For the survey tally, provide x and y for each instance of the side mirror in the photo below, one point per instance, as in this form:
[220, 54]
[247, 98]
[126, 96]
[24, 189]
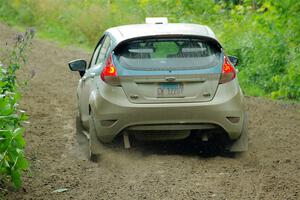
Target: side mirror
[78, 65]
[234, 60]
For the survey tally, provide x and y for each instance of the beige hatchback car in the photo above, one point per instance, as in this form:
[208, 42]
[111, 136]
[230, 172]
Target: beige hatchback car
[160, 82]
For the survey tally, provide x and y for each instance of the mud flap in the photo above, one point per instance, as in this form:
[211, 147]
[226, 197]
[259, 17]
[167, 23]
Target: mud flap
[79, 127]
[241, 144]
[95, 146]
[126, 140]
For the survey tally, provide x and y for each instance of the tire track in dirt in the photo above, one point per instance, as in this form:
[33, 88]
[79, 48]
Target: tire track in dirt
[270, 170]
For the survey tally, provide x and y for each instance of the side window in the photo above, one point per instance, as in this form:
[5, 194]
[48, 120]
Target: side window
[103, 51]
[96, 52]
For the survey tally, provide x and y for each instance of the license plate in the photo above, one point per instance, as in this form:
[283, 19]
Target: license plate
[170, 90]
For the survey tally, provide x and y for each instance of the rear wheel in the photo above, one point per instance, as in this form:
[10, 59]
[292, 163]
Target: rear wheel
[212, 147]
[95, 146]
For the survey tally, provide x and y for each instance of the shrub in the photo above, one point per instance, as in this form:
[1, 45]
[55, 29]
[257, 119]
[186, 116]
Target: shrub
[264, 34]
[12, 160]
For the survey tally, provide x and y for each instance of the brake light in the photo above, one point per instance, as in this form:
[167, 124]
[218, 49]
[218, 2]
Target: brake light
[228, 71]
[109, 73]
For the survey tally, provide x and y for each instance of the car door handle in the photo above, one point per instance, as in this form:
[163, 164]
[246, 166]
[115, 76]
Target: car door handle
[91, 75]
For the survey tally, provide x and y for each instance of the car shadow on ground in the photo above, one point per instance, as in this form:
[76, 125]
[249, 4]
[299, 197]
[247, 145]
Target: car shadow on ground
[187, 147]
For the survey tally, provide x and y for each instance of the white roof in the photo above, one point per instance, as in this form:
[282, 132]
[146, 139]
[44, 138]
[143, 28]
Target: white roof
[126, 32]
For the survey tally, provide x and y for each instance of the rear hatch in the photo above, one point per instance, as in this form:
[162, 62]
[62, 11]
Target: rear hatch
[161, 70]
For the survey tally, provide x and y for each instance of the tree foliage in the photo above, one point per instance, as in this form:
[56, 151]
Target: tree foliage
[264, 34]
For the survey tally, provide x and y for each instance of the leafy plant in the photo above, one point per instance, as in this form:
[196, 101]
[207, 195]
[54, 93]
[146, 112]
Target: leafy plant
[12, 160]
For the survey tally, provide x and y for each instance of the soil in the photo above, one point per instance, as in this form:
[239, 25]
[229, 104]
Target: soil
[58, 156]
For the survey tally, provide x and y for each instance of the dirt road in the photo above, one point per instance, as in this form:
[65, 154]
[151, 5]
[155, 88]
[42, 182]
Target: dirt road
[58, 157]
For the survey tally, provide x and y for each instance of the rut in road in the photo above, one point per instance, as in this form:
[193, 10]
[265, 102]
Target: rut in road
[58, 156]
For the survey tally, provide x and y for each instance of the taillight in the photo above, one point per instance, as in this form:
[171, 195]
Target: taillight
[228, 71]
[109, 73]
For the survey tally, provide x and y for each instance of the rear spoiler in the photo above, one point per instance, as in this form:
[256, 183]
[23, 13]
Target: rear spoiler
[214, 41]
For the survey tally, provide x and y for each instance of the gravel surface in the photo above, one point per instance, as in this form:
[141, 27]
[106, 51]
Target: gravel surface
[58, 156]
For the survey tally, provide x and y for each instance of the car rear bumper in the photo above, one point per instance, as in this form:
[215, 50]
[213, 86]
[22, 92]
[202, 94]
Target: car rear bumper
[114, 113]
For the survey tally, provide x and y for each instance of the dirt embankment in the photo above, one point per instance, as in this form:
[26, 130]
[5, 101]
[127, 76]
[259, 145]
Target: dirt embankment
[270, 170]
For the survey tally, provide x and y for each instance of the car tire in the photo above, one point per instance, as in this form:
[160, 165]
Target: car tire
[95, 146]
[211, 148]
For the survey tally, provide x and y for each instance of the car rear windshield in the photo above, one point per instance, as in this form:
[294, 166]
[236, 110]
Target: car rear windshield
[168, 54]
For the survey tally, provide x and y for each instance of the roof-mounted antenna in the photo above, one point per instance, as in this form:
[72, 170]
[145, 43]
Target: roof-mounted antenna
[156, 20]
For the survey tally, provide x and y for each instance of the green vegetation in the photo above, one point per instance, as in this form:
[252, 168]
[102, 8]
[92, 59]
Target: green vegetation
[12, 161]
[264, 34]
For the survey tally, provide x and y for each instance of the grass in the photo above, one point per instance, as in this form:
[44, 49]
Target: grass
[264, 38]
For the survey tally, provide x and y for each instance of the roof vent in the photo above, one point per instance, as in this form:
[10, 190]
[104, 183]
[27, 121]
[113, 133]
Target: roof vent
[156, 20]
